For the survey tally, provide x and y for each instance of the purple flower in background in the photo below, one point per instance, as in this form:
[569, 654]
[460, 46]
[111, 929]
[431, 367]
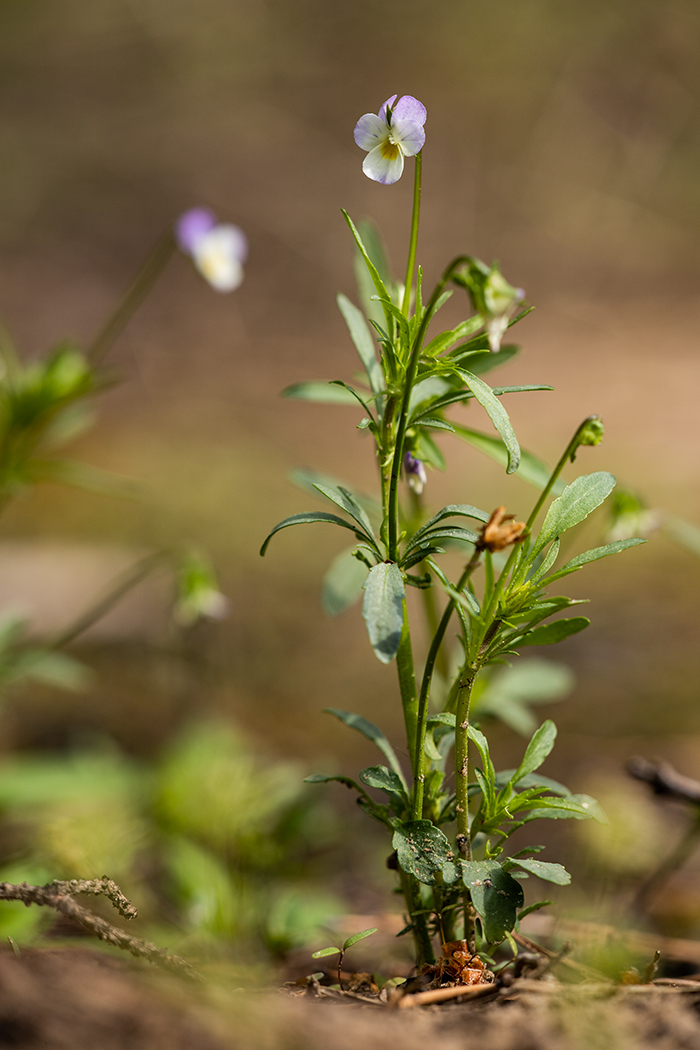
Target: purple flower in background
[217, 249]
[389, 136]
[415, 473]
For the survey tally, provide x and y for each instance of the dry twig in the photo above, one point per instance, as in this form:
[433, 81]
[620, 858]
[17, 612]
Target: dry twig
[61, 896]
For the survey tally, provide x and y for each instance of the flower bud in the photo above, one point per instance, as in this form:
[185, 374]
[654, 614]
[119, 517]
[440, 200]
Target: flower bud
[415, 473]
[493, 297]
[592, 432]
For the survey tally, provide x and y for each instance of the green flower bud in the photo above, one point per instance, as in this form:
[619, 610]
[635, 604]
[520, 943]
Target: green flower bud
[592, 432]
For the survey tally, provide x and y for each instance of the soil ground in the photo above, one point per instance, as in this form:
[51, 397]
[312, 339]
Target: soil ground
[81, 1000]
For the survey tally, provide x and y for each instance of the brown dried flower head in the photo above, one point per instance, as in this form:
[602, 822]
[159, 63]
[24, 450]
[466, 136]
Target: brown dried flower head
[500, 531]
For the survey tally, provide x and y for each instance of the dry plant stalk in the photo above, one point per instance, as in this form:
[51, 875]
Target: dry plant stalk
[61, 896]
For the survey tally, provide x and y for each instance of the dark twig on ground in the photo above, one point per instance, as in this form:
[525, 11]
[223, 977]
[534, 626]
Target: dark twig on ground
[61, 896]
[664, 780]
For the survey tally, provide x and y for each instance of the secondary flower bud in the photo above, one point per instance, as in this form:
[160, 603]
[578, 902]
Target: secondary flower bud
[592, 433]
[415, 473]
[492, 297]
[500, 531]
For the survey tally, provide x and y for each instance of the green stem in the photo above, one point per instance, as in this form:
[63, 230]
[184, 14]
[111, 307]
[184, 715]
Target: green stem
[124, 584]
[133, 297]
[407, 685]
[413, 242]
[567, 454]
[421, 934]
[411, 370]
[422, 720]
[464, 842]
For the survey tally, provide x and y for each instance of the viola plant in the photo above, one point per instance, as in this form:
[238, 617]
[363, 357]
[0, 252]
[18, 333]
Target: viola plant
[451, 815]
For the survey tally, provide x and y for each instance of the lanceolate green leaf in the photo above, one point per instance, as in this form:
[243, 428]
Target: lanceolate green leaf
[363, 340]
[383, 779]
[495, 894]
[537, 750]
[370, 732]
[424, 851]
[454, 510]
[550, 633]
[378, 283]
[343, 582]
[593, 555]
[320, 390]
[310, 518]
[383, 609]
[347, 502]
[359, 937]
[497, 414]
[576, 502]
[556, 873]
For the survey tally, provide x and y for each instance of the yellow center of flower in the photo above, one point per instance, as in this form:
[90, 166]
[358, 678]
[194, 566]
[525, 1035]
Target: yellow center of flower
[390, 149]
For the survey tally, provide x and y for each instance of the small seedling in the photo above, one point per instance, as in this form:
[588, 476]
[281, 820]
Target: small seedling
[340, 952]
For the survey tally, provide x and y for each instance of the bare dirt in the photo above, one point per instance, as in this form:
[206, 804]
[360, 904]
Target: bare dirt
[82, 1000]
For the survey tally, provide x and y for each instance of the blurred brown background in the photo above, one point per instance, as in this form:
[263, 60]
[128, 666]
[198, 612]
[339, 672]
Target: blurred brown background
[562, 139]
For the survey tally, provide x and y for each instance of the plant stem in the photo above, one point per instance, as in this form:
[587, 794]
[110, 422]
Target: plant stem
[464, 842]
[407, 685]
[419, 762]
[124, 584]
[568, 452]
[137, 291]
[413, 242]
[414, 906]
[409, 380]
[340, 968]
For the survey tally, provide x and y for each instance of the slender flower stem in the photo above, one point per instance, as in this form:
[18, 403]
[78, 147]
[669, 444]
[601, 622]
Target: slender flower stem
[133, 297]
[567, 454]
[415, 220]
[419, 750]
[126, 582]
[410, 378]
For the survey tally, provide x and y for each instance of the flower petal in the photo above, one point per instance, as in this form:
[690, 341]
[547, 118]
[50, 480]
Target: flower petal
[384, 163]
[219, 254]
[409, 135]
[191, 226]
[389, 102]
[409, 108]
[370, 131]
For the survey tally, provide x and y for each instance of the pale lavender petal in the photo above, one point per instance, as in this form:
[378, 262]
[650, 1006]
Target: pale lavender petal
[409, 108]
[389, 102]
[409, 135]
[235, 239]
[218, 255]
[192, 225]
[370, 131]
[384, 163]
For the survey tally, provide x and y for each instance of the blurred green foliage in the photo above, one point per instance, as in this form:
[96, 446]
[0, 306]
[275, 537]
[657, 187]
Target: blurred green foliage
[212, 843]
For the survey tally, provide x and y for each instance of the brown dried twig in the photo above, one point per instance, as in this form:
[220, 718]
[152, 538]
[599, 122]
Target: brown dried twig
[61, 896]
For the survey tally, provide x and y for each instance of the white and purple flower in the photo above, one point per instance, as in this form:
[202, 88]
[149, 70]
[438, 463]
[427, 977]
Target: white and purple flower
[217, 249]
[415, 473]
[389, 136]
